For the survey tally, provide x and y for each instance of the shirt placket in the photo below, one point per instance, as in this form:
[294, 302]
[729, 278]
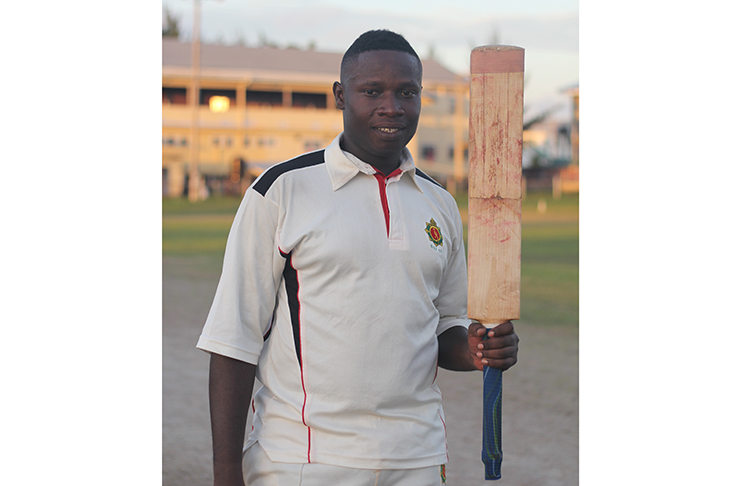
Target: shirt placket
[383, 181]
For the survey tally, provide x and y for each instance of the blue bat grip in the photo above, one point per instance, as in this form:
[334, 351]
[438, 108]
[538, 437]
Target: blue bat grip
[491, 451]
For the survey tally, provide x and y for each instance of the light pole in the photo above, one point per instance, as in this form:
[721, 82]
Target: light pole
[194, 182]
[195, 63]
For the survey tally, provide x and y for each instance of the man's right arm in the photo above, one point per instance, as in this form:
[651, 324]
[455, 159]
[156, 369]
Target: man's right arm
[230, 393]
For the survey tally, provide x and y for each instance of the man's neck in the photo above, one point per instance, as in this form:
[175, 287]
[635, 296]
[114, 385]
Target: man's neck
[386, 169]
[384, 166]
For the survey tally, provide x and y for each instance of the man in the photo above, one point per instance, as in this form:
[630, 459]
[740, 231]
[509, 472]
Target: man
[343, 290]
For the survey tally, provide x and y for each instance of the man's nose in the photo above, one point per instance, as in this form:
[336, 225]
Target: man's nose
[390, 105]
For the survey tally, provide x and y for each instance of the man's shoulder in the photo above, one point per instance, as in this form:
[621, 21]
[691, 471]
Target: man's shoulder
[268, 178]
[419, 173]
[435, 190]
[431, 186]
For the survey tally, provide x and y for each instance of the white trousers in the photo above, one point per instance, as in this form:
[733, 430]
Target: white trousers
[259, 470]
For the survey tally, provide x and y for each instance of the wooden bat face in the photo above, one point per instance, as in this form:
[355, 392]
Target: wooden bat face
[495, 184]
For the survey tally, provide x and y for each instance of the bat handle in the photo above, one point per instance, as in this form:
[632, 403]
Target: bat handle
[491, 450]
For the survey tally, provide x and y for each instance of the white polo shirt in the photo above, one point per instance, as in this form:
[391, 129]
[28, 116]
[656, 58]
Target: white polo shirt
[336, 283]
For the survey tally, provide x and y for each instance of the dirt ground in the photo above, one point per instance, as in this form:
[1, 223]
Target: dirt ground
[540, 398]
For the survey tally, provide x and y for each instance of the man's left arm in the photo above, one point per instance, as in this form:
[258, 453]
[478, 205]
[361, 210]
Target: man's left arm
[461, 349]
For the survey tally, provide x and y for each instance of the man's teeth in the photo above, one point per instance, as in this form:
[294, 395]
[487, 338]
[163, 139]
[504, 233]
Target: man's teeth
[388, 130]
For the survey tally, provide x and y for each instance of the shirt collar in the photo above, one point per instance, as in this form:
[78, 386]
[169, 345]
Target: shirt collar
[343, 166]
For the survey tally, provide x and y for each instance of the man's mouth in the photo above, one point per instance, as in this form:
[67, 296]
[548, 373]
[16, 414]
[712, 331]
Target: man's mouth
[387, 130]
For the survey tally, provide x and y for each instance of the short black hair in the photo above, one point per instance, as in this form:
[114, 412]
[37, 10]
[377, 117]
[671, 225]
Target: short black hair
[377, 40]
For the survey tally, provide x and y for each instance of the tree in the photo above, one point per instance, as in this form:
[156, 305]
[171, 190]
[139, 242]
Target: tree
[494, 38]
[170, 25]
[431, 52]
[239, 38]
[263, 41]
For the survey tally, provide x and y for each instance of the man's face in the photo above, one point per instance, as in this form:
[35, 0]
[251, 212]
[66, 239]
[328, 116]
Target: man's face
[380, 96]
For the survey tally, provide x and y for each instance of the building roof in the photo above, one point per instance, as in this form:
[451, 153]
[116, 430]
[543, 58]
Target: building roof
[236, 61]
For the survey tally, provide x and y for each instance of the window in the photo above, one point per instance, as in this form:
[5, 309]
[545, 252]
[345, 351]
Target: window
[264, 98]
[174, 96]
[309, 100]
[206, 95]
[428, 152]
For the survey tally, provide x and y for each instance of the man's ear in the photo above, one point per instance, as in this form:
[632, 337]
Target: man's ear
[339, 96]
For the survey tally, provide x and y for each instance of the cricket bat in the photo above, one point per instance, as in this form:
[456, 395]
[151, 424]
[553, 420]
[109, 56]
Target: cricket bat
[495, 213]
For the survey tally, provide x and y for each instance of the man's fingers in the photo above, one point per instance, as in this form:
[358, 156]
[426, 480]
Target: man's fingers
[499, 353]
[476, 329]
[507, 341]
[502, 364]
[503, 329]
[494, 348]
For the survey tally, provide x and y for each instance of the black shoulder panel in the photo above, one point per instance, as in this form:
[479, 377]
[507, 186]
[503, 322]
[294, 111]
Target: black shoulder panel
[272, 174]
[426, 177]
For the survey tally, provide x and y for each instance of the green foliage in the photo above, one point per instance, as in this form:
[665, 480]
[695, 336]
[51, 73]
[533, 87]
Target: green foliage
[263, 41]
[170, 27]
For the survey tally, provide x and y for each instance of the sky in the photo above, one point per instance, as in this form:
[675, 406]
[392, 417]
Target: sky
[548, 30]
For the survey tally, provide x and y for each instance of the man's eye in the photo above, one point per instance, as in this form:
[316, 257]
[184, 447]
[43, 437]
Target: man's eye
[408, 93]
[371, 92]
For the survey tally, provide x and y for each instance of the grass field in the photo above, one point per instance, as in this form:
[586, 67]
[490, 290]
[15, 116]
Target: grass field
[550, 248]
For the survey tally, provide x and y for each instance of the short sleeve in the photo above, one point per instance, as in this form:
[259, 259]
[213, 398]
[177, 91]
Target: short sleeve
[451, 301]
[242, 309]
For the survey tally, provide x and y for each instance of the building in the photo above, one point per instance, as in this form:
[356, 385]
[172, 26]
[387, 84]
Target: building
[258, 106]
[550, 155]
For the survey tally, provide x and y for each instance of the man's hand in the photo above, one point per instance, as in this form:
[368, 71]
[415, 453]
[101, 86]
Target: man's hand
[496, 348]
[461, 350]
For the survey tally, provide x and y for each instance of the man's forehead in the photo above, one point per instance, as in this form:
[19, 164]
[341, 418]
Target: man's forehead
[366, 66]
[386, 53]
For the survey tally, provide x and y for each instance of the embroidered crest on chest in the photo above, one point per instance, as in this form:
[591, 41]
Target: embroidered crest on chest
[433, 232]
